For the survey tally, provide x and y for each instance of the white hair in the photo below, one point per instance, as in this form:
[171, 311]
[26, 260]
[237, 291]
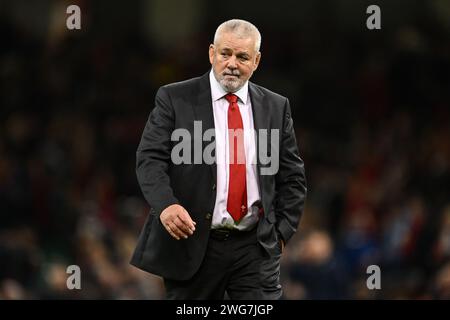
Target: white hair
[242, 29]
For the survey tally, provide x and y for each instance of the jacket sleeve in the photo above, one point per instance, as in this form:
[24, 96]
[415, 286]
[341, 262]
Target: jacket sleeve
[153, 154]
[290, 181]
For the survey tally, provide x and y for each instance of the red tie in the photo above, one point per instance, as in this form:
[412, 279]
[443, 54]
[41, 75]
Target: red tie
[237, 188]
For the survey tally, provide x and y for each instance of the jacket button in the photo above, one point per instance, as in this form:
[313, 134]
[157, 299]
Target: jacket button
[208, 216]
[214, 187]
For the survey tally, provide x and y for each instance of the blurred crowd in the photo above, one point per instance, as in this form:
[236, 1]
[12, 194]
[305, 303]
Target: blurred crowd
[372, 117]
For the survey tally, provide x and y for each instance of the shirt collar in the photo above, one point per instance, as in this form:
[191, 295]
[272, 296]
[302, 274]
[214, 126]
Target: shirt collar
[217, 91]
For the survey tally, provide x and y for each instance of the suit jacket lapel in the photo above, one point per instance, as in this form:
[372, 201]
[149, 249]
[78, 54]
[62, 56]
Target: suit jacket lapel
[260, 121]
[260, 118]
[203, 111]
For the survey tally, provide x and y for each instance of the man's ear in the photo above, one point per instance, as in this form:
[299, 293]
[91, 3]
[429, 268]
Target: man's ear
[211, 53]
[257, 59]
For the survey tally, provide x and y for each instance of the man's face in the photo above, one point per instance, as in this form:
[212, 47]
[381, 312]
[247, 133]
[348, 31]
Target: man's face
[233, 60]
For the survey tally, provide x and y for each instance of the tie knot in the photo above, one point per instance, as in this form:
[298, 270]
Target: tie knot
[232, 98]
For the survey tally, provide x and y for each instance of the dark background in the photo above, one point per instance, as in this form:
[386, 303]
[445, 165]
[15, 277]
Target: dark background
[371, 109]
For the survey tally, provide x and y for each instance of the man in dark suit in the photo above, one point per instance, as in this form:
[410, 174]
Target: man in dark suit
[219, 227]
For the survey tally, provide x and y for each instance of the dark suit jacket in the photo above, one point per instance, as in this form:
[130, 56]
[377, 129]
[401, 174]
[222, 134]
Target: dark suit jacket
[193, 186]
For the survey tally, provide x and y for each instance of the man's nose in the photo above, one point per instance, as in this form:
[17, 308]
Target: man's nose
[232, 63]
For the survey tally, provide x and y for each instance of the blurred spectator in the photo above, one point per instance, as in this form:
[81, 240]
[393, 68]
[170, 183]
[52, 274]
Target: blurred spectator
[315, 271]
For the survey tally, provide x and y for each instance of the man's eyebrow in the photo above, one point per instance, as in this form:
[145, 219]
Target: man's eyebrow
[241, 53]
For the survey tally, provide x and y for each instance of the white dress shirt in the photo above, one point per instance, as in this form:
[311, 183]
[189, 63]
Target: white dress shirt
[221, 217]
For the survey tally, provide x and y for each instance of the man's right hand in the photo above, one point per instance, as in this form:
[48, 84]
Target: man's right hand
[177, 221]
